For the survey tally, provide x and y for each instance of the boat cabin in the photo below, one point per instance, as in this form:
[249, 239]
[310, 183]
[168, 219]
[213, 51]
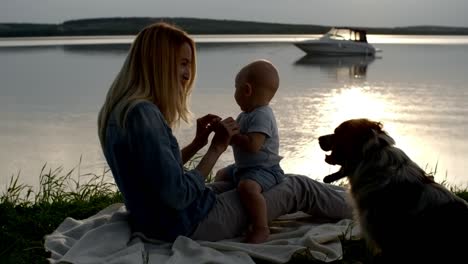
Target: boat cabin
[357, 35]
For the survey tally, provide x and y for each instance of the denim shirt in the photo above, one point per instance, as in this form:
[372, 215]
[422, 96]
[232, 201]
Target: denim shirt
[163, 199]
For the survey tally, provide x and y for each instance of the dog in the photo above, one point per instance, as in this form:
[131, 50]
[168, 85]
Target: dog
[404, 215]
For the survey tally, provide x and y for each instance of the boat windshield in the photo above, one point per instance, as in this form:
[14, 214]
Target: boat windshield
[346, 34]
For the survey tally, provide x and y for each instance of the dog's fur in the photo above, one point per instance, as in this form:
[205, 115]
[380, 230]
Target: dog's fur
[404, 215]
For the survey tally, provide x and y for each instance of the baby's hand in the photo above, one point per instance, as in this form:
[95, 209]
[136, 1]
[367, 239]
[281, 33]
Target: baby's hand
[224, 131]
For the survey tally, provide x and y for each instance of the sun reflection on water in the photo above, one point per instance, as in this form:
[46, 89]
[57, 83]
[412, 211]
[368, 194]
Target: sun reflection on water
[375, 103]
[354, 102]
[337, 106]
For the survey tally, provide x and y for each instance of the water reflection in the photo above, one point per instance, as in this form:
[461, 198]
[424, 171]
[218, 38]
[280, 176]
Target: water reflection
[333, 107]
[418, 92]
[353, 67]
[121, 48]
[106, 49]
[112, 49]
[27, 49]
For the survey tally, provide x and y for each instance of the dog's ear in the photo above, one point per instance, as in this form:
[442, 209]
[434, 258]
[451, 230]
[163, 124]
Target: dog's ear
[378, 140]
[385, 139]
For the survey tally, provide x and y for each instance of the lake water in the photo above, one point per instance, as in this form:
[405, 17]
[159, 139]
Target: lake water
[52, 88]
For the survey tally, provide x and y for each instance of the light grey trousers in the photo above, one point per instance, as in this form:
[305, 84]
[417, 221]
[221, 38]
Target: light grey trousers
[229, 219]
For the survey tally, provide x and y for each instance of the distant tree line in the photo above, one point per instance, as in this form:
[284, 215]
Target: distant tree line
[132, 25]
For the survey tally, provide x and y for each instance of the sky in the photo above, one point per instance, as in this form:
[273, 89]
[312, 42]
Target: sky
[365, 13]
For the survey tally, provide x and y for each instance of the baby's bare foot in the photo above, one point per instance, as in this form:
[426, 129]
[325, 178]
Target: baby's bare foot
[258, 235]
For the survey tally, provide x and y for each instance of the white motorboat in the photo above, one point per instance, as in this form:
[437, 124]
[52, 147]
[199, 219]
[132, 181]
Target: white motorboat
[338, 41]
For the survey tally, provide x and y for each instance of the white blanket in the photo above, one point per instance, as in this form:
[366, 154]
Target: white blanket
[106, 238]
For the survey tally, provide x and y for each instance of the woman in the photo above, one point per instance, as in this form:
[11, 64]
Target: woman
[147, 98]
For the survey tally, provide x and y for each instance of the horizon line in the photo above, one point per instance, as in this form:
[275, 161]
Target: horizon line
[236, 20]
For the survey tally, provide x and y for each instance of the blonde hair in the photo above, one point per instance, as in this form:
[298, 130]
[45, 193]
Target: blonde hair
[149, 73]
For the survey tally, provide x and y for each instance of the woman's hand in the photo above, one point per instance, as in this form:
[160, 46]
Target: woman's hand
[224, 131]
[205, 125]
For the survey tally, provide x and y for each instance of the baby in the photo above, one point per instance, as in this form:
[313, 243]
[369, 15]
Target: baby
[256, 147]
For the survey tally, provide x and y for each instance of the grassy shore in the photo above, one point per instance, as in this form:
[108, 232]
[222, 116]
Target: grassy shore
[27, 215]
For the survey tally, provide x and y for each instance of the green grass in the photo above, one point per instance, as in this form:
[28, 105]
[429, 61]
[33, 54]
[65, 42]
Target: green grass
[27, 214]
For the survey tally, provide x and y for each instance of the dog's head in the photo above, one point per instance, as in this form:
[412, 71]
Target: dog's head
[350, 142]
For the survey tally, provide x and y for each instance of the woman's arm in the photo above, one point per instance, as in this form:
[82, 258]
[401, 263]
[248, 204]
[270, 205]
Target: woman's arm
[155, 159]
[205, 126]
[154, 151]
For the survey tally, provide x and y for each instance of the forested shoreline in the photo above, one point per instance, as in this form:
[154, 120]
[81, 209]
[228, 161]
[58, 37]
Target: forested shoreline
[132, 25]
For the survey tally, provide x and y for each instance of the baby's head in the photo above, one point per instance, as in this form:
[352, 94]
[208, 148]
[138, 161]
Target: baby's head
[256, 84]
